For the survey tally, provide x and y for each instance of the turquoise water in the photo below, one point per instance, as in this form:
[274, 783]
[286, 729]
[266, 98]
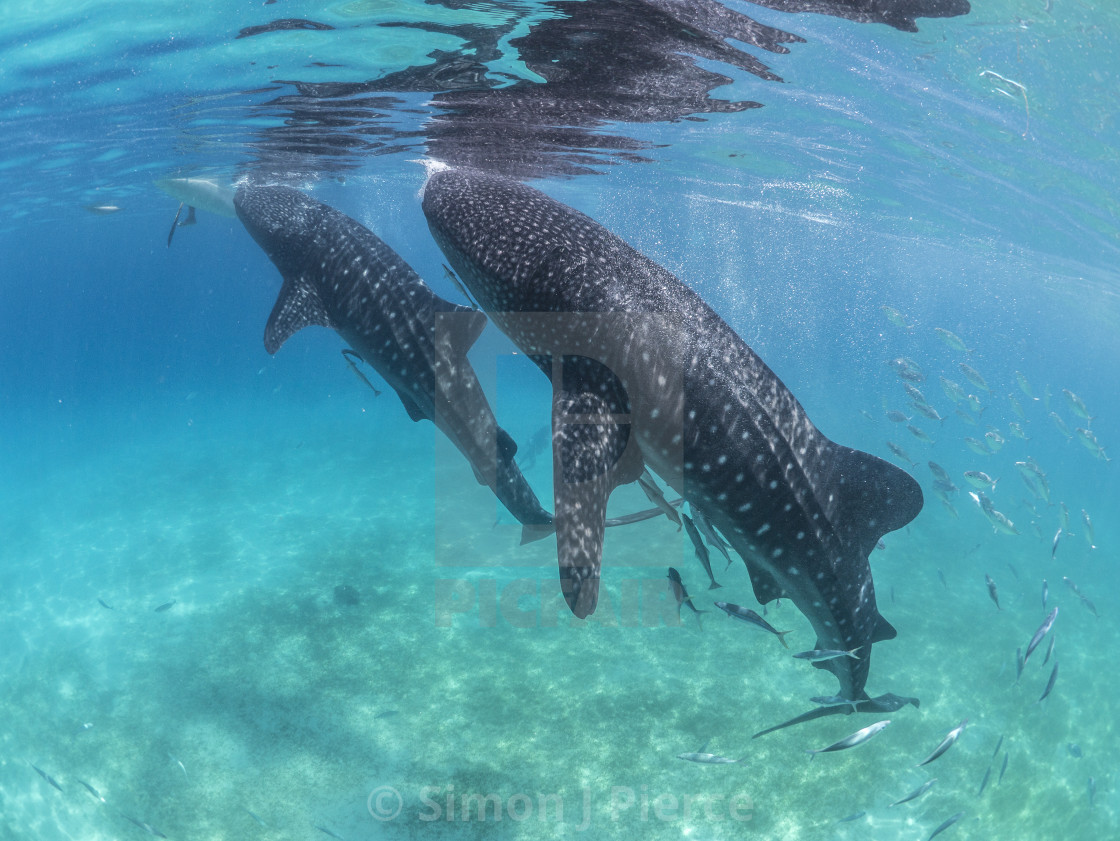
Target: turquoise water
[152, 451]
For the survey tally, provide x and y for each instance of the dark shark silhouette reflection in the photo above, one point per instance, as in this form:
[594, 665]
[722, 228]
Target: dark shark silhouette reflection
[590, 68]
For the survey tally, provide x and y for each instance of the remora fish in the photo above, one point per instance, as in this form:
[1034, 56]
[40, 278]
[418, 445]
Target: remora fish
[680, 594]
[916, 793]
[946, 743]
[1043, 629]
[697, 406]
[653, 493]
[701, 550]
[745, 614]
[165, 606]
[337, 274]
[856, 739]
[710, 534]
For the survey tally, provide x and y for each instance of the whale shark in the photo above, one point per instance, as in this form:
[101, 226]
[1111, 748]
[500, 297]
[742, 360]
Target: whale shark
[645, 374]
[339, 274]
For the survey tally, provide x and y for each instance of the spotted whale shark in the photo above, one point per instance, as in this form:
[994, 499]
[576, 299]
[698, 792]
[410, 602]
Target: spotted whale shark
[645, 373]
[339, 274]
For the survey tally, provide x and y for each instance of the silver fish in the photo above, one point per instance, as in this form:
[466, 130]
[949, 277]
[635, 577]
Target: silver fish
[1049, 649]
[974, 377]
[992, 591]
[953, 391]
[819, 654]
[896, 318]
[946, 743]
[1061, 425]
[919, 434]
[951, 339]
[707, 759]
[1045, 593]
[939, 472]
[854, 740]
[1054, 545]
[46, 776]
[745, 614]
[1077, 405]
[1042, 631]
[944, 826]
[984, 782]
[96, 794]
[901, 453]
[1049, 683]
[1092, 787]
[999, 744]
[897, 417]
[147, 827]
[1024, 385]
[916, 793]
[980, 480]
[914, 393]
[1091, 443]
[1016, 406]
[977, 446]
[326, 831]
[923, 408]
[165, 606]
[1018, 431]
[1089, 536]
[1003, 768]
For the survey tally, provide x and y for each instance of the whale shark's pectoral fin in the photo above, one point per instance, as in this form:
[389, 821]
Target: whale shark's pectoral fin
[297, 306]
[592, 456]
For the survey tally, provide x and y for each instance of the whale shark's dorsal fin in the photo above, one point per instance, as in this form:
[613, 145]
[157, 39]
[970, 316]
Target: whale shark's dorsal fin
[297, 306]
